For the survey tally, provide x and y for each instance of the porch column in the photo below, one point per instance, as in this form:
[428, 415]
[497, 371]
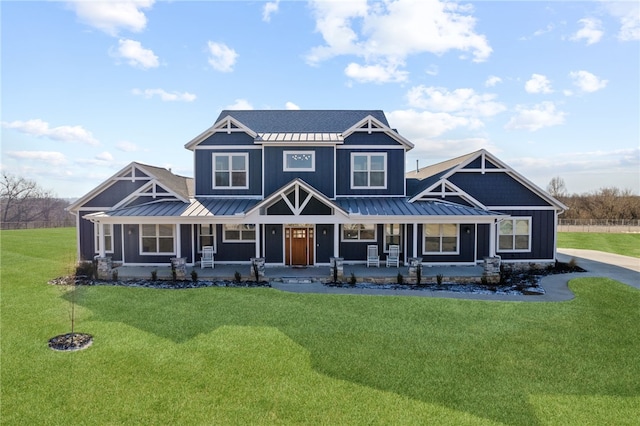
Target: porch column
[178, 241]
[336, 240]
[492, 239]
[257, 240]
[415, 240]
[101, 238]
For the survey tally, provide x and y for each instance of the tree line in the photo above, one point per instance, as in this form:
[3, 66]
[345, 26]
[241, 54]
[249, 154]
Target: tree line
[604, 203]
[23, 201]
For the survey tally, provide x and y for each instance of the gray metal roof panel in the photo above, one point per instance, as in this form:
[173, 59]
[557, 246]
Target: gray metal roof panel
[401, 207]
[197, 208]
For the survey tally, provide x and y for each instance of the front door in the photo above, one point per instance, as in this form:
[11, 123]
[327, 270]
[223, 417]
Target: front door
[299, 246]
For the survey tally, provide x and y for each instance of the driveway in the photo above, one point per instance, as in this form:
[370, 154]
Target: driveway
[625, 269]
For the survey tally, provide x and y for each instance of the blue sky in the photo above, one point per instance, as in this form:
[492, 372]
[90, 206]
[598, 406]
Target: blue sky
[550, 88]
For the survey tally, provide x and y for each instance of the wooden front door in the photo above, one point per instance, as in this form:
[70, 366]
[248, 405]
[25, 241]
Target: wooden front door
[299, 246]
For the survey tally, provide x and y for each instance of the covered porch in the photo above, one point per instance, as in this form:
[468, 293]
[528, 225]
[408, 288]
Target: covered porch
[457, 273]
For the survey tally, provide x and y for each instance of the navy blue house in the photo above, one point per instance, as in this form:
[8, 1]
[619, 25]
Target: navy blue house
[301, 187]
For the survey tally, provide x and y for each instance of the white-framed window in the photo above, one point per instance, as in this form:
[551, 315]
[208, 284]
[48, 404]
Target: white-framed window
[392, 236]
[358, 232]
[231, 170]
[441, 238]
[299, 161]
[239, 233]
[108, 237]
[157, 239]
[514, 234]
[368, 170]
[206, 236]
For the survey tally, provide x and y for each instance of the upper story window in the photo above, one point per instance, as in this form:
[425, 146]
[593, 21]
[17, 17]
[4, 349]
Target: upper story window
[231, 170]
[299, 161]
[157, 239]
[440, 238]
[368, 170]
[514, 234]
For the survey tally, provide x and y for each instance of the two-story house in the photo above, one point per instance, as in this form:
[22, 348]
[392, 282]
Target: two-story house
[300, 187]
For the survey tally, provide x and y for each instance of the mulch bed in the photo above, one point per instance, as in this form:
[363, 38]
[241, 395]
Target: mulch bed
[71, 342]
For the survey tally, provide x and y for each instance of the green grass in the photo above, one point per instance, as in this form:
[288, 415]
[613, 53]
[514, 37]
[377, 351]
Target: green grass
[260, 356]
[625, 244]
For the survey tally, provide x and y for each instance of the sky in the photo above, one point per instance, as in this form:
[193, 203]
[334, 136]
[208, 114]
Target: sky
[550, 88]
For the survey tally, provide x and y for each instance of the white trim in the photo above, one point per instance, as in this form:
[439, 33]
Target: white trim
[98, 237]
[230, 171]
[240, 230]
[227, 147]
[370, 124]
[522, 208]
[197, 234]
[368, 147]
[223, 125]
[443, 184]
[157, 237]
[358, 240]
[285, 168]
[368, 155]
[440, 236]
[513, 219]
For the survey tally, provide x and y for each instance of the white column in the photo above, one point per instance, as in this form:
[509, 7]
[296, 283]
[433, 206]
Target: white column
[336, 240]
[101, 252]
[415, 240]
[178, 240]
[492, 239]
[257, 240]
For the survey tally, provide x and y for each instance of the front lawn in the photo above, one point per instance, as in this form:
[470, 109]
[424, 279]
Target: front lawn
[261, 356]
[625, 244]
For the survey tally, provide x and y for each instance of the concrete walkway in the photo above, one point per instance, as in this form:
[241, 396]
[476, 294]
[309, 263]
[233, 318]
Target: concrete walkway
[597, 264]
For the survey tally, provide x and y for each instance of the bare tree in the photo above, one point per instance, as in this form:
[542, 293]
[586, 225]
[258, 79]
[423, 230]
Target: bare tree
[23, 200]
[557, 188]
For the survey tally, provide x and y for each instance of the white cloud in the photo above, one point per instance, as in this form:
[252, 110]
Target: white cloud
[221, 57]
[111, 16]
[538, 84]
[52, 158]
[591, 31]
[628, 13]
[463, 101]
[136, 55]
[424, 125]
[104, 156]
[240, 104]
[291, 106]
[40, 128]
[164, 95]
[532, 119]
[587, 82]
[492, 80]
[387, 33]
[269, 9]
[127, 146]
[375, 73]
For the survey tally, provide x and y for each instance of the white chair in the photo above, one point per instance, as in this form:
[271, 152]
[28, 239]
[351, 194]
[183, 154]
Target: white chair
[393, 258]
[372, 256]
[207, 257]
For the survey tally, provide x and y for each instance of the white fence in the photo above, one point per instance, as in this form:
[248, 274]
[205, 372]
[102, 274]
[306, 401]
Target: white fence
[614, 226]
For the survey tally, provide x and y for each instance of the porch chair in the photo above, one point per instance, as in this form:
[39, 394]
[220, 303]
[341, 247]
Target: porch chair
[372, 256]
[393, 258]
[207, 257]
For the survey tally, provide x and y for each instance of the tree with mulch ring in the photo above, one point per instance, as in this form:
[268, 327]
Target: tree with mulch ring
[71, 341]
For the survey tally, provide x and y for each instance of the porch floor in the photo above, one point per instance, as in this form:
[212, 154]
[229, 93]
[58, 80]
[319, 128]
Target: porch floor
[303, 274]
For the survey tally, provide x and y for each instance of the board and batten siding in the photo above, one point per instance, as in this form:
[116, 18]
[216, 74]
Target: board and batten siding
[542, 235]
[115, 193]
[395, 173]
[496, 189]
[204, 172]
[321, 179]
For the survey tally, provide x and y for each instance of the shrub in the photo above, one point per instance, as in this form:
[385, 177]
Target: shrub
[399, 278]
[439, 279]
[418, 274]
[114, 275]
[85, 268]
[154, 275]
[573, 263]
[194, 276]
[237, 277]
[352, 279]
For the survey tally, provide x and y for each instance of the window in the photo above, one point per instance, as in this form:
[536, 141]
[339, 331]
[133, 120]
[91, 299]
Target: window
[440, 238]
[299, 161]
[392, 236]
[358, 232]
[206, 236]
[157, 239]
[108, 238]
[514, 235]
[239, 233]
[368, 170]
[230, 170]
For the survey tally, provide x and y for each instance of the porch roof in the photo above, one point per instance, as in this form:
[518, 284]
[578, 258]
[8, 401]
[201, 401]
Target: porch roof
[201, 207]
[402, 207]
